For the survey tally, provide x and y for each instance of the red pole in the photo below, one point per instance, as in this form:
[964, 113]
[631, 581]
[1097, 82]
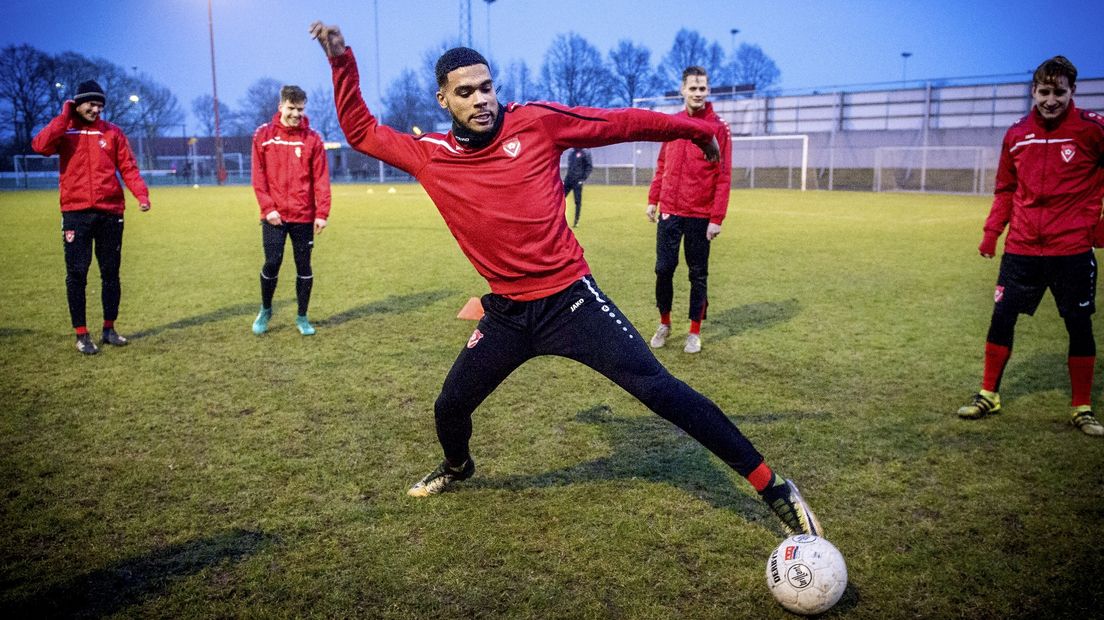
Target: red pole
[220, 169]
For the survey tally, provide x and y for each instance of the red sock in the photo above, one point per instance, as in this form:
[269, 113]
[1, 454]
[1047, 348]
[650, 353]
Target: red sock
[1081, 379]
[82, 330]
[996, 358]
[109, 324]
[761, 477]
[665, 318]
[695, 327]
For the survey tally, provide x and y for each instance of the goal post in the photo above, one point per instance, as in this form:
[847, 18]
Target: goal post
[945, 169]
[774, 153]
[774, 161]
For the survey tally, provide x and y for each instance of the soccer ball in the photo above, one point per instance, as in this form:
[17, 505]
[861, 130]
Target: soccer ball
[806, 574]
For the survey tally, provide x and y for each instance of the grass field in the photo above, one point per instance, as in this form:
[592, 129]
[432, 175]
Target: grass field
[203, 471]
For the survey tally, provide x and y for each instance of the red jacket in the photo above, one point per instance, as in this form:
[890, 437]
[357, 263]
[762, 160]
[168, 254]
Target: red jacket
[290, 174]
[504, 203]
[1050, 183]
[685, 183]
[89, 154]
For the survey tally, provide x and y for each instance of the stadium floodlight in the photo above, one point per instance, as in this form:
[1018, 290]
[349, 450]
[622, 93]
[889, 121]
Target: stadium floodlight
[220, 167]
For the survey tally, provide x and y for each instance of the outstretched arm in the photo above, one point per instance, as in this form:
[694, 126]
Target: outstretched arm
[362, 130]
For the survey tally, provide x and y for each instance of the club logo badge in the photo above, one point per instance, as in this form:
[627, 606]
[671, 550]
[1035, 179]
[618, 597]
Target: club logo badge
[475, 338]
[998, 294]
[70, 235]
[1067, 153]
[298, 152]
[103, 143]
[513, 147]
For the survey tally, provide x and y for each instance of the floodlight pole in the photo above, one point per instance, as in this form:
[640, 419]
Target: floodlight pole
[904, 66]
[488, 50]
[220, 169]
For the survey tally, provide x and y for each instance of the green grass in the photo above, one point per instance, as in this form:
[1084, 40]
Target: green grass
[203, 471]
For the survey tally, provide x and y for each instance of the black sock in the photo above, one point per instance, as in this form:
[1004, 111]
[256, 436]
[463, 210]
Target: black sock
[268, 289]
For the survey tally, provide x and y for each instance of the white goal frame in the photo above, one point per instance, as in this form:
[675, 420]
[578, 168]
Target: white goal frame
[982, 156]
[804, 138]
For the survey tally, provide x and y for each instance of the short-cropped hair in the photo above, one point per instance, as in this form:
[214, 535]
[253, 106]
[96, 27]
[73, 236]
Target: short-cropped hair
[293, 94]
[1054, 68]
[694, 70]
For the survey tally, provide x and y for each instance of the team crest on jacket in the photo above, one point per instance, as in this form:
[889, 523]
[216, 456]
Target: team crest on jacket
[103, 143]
[475, 338]
[70, 235]
[513, 147]
[1067, 153]
[298, 152]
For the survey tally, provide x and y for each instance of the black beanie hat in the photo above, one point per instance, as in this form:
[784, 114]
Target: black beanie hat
[454, 59]
[89, 91]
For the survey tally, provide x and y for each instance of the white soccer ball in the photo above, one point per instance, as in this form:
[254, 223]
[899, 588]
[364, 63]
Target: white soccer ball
[806, 574]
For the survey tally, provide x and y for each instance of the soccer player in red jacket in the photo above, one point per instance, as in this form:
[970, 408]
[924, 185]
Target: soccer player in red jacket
[91, 151]
[1050, 184]
[292, 182]
[690, 196]
[495, 180]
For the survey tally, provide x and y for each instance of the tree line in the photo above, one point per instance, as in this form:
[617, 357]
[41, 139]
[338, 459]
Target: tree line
[35, 84]
[576, 73]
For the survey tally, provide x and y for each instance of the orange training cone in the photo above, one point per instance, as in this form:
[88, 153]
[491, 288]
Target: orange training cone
[472, 311]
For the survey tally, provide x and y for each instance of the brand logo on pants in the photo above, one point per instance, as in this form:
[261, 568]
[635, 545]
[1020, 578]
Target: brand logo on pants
[998, 294]
[70, 235]
[475, 338]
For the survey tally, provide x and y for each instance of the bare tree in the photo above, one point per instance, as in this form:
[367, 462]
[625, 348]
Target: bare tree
[753, 66]
[26, 101]
[203, 108]
[574, 73]
[68, 70]
[632, 72]
[257, 106]
[690, 48]
[518, 84]
[323, 114]
[405, 104]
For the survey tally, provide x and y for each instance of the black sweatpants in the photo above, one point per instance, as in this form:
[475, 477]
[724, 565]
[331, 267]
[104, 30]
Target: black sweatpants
[274, 239]
[83, 232]
[583, 324]
[576, 188]
[690, 232]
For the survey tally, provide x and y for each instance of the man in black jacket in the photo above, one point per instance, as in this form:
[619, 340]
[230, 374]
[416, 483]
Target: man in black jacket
[578, 169]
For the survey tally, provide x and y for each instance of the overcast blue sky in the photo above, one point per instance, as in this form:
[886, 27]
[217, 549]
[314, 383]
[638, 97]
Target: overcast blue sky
[814, 43]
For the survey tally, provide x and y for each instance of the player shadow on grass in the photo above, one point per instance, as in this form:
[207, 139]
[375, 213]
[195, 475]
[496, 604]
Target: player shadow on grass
[748, 317]
[644, 448]
[1039, 372]
[395, 304]
[129, 582]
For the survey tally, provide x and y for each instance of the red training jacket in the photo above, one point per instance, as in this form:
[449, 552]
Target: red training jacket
[290, 173]
[504, 203]
[89, 154]
[1050, 183]
[685, 183]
